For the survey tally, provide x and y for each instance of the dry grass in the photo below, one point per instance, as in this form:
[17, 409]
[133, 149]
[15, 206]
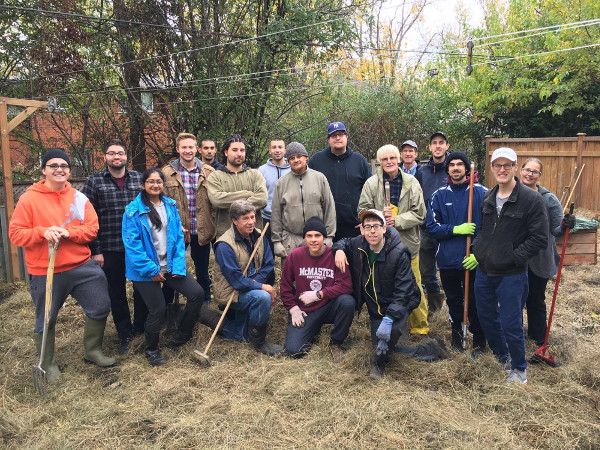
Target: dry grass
[252, 401]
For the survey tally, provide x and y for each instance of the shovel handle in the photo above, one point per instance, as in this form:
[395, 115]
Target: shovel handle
[52, 249]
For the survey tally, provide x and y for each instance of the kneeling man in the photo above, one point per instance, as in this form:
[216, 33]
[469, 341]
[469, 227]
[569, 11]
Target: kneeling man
[253, 297]
[315, 292]
[383, 279]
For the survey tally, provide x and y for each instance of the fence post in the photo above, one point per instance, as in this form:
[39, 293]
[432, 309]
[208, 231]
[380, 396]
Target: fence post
[580, 147]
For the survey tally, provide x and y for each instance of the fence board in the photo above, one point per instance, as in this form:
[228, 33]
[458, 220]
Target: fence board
[559, 157]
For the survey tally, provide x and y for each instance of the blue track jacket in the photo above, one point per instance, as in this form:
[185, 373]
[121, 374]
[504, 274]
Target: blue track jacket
[447, 208]
[141, 260]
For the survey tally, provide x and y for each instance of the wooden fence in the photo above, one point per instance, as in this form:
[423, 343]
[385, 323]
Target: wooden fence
[560, 157]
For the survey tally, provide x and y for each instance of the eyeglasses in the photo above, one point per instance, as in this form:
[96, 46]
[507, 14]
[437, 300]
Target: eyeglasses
[58, 166]
[531, 172]
[337, 135]
[157, 182]
[502, 166]
[372, 227]
[111, 154]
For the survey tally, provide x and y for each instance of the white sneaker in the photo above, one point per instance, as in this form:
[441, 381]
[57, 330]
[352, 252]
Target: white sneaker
[516, 375]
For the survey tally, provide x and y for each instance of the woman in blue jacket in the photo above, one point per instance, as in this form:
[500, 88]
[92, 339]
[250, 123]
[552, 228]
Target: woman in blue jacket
[155, 254]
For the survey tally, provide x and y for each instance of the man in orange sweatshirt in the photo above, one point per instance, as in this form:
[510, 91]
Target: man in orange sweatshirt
[51, 211]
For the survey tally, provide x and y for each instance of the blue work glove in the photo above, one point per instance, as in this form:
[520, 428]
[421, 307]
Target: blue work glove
[465, 228]
[382, 347]
[470, 262]
[385, 329]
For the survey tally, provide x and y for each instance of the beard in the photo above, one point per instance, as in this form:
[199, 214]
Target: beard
[117, 166]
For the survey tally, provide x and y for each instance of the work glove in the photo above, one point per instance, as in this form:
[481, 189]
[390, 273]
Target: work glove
[465, 228]
[385, 329]
[328, 242]
[279, 250]
[297, 317]
[470, 262]
[568, 222]
[382, 347]
[308, 297]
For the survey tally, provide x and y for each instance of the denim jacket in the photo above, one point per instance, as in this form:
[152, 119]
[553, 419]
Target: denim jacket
[141, 260]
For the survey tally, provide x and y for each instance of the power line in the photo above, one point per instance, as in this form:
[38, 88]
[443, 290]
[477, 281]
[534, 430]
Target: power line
[560, 50]
[106, 19]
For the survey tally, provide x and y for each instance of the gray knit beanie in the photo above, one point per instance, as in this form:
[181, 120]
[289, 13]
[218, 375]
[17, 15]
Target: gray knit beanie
[295, 148]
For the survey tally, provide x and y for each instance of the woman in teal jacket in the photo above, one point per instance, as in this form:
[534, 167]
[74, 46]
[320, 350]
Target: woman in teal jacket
[155, 254]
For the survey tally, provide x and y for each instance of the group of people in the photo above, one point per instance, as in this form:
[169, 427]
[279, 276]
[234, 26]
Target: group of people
[345, 237]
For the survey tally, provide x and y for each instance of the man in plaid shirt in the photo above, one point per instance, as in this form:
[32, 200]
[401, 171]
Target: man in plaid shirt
[110, 191]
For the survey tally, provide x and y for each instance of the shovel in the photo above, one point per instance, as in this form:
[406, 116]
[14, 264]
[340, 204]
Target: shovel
[40, 380]
[203, 356]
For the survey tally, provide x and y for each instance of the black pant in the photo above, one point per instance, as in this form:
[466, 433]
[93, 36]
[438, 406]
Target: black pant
[201, 256]
[453, 282]
[114, 269]
[155, 300]
[397, 327]
[536, 308]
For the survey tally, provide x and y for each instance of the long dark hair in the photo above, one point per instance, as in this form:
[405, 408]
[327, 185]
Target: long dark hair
[153, 214]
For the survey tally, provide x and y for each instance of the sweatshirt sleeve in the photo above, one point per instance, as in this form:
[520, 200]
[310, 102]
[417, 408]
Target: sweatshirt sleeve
[287, 292]
[21, 230]
[219, 196]
[276, 207]
[260, 195]
[89, 190]
[342, 285]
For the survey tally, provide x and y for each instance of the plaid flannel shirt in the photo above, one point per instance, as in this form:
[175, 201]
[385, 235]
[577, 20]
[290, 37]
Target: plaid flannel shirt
[189, 178]
[110, 201]
[395, 187]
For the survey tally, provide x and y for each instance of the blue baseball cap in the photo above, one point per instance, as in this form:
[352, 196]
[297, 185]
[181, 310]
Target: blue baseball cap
[335, 126]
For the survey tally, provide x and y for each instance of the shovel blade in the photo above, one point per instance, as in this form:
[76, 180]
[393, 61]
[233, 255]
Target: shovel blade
[40, 380]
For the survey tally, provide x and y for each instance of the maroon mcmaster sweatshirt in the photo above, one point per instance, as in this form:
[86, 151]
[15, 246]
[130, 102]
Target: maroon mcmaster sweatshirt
[302, 272]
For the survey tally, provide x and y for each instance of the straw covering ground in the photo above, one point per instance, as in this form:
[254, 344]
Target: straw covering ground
[246, 400]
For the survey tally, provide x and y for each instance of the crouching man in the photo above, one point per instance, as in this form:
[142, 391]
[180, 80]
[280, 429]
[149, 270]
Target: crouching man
[315, 292]
[253, 297]
[52, 212]
[383, 279]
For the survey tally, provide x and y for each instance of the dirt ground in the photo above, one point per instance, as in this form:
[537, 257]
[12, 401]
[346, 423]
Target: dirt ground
[246, 400]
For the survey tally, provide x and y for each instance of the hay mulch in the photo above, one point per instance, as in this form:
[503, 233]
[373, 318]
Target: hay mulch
[247, 400]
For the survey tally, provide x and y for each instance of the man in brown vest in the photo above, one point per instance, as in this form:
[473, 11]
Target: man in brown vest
[253, 296]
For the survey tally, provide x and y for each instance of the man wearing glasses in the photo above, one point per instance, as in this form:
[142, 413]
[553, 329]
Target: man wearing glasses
[514, 227]
[109, 192]
[383, 279]
[52, 212]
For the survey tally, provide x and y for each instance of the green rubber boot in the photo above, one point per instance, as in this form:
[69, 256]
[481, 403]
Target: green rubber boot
[48, 363]
[93, 334]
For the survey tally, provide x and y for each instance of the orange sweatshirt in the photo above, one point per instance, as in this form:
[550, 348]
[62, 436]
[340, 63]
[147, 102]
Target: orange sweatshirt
[40, 208]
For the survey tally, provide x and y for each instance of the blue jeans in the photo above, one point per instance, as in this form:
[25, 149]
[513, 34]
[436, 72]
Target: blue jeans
[427, 264]
[339, 312]
[252, 308]
[500, 301]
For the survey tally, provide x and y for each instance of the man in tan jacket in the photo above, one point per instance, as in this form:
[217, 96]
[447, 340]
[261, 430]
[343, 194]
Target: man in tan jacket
[235, 181]
[298, 196]
[404, 211]
[186, 183]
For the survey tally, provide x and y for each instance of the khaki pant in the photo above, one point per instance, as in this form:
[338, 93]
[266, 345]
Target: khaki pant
[417, 321]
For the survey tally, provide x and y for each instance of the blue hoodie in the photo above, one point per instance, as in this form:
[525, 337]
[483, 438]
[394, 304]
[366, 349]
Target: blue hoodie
[272, 174]
[448, 207]
[141, 260]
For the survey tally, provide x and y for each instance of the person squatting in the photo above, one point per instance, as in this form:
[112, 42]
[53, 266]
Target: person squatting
[345, 238]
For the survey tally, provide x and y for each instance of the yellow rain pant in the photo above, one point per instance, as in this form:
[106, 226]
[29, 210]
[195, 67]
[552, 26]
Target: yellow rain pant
[417, 321]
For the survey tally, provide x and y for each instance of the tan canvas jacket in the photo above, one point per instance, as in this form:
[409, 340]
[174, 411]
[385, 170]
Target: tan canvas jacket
[205, 213]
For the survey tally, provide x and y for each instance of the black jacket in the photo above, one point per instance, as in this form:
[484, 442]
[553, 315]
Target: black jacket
[431, 176]
[396, 290]
[346, 175]
[506, 242]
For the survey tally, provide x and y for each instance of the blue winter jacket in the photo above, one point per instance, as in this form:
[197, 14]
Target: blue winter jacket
[141, 260]
[448, 207]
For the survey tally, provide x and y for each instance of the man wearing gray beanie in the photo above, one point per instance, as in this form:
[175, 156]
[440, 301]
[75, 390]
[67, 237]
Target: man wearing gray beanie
[300, 195]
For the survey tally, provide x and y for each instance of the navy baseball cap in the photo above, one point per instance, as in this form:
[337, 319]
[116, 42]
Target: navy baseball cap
[335, 126]
[439, 133]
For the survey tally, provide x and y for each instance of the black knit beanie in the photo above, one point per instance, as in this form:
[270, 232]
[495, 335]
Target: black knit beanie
[55, 153]
[458, 155]
[314, 224]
